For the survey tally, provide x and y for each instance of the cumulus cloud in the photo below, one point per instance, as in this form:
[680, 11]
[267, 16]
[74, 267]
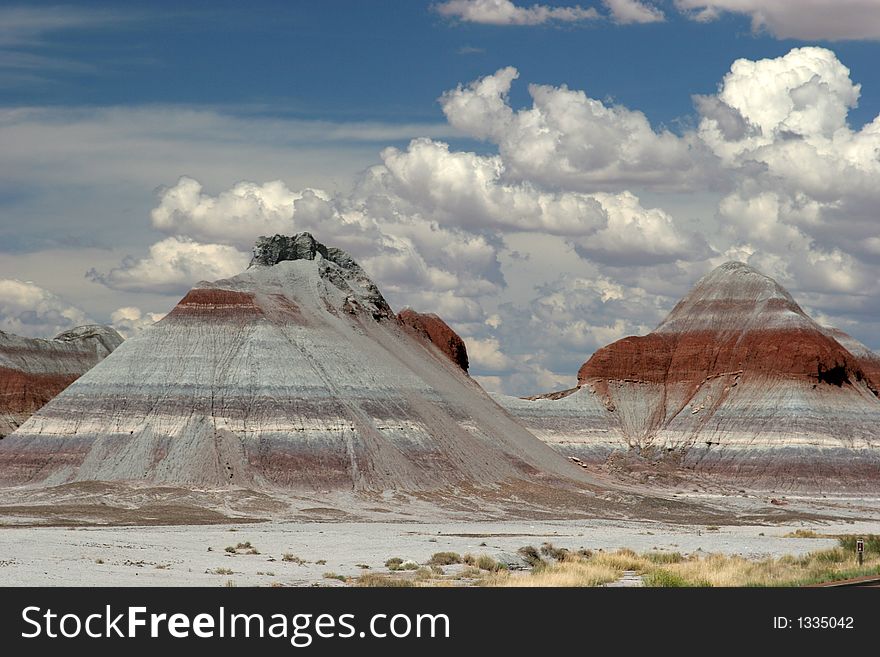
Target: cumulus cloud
[567, 139]
[505, 12]
[131, 320]
[174, 265]
[573, 184]
[834, 20]
[486, 354]
[28, 309]
[625, 12]
[806, 177]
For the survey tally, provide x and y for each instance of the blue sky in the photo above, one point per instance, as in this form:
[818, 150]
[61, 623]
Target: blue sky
[572, 222]
[350, 59]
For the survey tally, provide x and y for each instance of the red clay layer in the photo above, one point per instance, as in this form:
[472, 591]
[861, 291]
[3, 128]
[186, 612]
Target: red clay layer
[217, 304]
[691, 357]
[430, 327]
[24, 392]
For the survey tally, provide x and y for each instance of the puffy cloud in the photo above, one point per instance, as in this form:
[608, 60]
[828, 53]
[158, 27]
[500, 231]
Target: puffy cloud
[834, 20]
[173, 266]
[28, 309]
[569, 140]
[805, 176]
[235, 216]
[638, 235]
[625, 12]
[130, 320]
[486, 354]
[505, 12]
[773, 174]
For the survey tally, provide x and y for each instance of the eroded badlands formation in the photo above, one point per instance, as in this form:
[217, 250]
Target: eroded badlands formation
[33, 371]
[737, 383]
[295, 374]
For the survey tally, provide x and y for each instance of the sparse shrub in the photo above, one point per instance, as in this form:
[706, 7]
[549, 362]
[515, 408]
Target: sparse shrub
[292, 558]
[531, 555]
[437, 570]
[802, 533]
[485, 562]
[393, 563]
[377, 580]
[229, 584]
[664, 578]
[712, 528]
[221, 571]
[548, 550]
[362, 566]
[230, 549]
[468, 559]
[321, 562]
[409, 564]
[664, 557]
[444, 558]
[99, 561]
[423, 574]
[470, 573]
[331, 575]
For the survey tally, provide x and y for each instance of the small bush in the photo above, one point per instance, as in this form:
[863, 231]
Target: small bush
[99, 561]
[444, 558]
[292, 558]
[362, 566]
[393, 563]
[230, 549]
[713, 528]
[321, 562]
[485, 562]
[221, 571]
[341, 578]
[469, 560]
[377, 580]
[423, 574]
[664, 557]
[531, 555]
[664, 578]
[409, 564]
[548, 550]
[802, 533]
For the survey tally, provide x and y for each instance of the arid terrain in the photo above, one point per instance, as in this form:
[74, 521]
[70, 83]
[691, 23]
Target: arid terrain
[197, 555]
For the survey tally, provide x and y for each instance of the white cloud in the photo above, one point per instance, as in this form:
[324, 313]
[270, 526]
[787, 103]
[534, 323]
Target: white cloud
[835, 20]
[567, 139]
[505, 12]
[486, 354]
[235, 216]
[806, 178]
[174, 265]
[638, 235]
[631, 213]
[30, 310]
[131, 320]
[626, 12]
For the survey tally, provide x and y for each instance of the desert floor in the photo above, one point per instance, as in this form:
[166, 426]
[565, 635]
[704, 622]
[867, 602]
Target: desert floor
[196, 554]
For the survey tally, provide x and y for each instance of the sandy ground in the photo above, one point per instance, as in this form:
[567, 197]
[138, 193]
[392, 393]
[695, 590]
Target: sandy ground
[191, 555]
